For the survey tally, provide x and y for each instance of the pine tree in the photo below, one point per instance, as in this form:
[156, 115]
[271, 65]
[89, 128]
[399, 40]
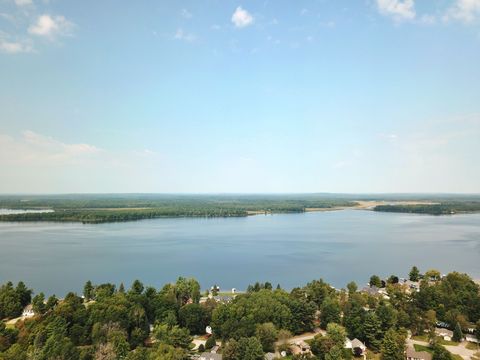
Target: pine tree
[373, 331]
[393, 346]
[457, 333]
[414, 274]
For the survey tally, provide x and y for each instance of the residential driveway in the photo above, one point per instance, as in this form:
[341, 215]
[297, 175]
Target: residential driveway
[459, 349]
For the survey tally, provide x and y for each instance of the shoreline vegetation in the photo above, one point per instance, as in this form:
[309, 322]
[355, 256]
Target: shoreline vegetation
[95, 209]
[179, 321]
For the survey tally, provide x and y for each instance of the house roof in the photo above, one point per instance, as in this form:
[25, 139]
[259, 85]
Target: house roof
[210, 356]
[411, 353]
[444, 332]
[269, 356]
[357, 344]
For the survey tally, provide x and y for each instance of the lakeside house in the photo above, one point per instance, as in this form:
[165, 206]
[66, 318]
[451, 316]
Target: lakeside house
[270, 356]
[358, 347]
[210, 356]
[411, 286]
[375, 291]
[28, 311]
[472, 339]
[300, 348]
[411, 354]
[445, 334]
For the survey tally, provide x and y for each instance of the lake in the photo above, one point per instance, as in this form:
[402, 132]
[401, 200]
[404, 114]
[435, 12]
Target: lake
[290, 249]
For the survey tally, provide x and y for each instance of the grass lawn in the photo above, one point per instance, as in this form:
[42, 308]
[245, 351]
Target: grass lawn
[422, 348]
[439, 340]
[371, 355]
[472, 346]
[420, 338]
[428, 349]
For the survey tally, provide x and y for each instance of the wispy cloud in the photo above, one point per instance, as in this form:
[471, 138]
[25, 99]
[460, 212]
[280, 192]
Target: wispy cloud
[49, 26]
[15, 47]
[182, 35]
[466, 11]
[23, 2]
[242, 18]
[398, 9]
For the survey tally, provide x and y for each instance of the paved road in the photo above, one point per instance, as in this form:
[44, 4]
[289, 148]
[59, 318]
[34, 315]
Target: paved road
[459, 349]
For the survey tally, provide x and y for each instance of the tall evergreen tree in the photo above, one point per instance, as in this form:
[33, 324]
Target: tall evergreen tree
[393, 346]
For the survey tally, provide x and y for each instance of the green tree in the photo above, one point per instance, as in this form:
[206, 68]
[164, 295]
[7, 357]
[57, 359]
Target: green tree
[137, 288]
[352, 287]
[337, 333]
[267, 334]
[211, 342]
[372, 331]
[175, 336]
[432, 274]
[414, 274]
[250, 349]
[38, 303]
[88, 291]
[457, 333]
[194, 317]
[329, 312]
[243, 349]
[335, 353]
[24, 293]
[440, 353]
[375, 281]
[59, 348]
[393, 346]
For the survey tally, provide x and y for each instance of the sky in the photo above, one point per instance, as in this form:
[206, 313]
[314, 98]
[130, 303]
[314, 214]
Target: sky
[214, 96]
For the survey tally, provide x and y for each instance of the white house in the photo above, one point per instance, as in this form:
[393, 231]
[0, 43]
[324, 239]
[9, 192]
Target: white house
[28, 311]
[444, 333]
[357, 344]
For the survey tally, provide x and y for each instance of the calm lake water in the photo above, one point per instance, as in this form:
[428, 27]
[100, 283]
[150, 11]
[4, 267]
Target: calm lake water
[289, 249]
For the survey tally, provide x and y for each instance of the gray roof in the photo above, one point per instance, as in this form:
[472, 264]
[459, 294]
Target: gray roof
[269, 356]
[210, 356]
[421, 355]
[357, 343]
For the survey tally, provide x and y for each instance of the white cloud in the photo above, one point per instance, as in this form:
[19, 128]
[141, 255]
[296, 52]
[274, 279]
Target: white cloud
[242, 18]
[398, 9]
[15, 47]
[184, 36]
[23, 2]
[51, 26]
[464, 10]
[34, 148]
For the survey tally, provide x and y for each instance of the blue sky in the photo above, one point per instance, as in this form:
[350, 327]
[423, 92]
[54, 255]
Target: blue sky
[239, 96]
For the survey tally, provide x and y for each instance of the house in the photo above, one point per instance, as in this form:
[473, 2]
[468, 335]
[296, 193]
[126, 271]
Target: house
[209, 330]
[223, 298]
[28, 311]
[300, 348]
[348, 344]
[215, 349]
[472, 338]
[411, 286]
[411, 354]
[358, 347]
[210, 356]
[269, 356]
[445, 334]
[371, 290]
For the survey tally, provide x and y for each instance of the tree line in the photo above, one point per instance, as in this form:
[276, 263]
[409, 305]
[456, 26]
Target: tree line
[145, 323]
